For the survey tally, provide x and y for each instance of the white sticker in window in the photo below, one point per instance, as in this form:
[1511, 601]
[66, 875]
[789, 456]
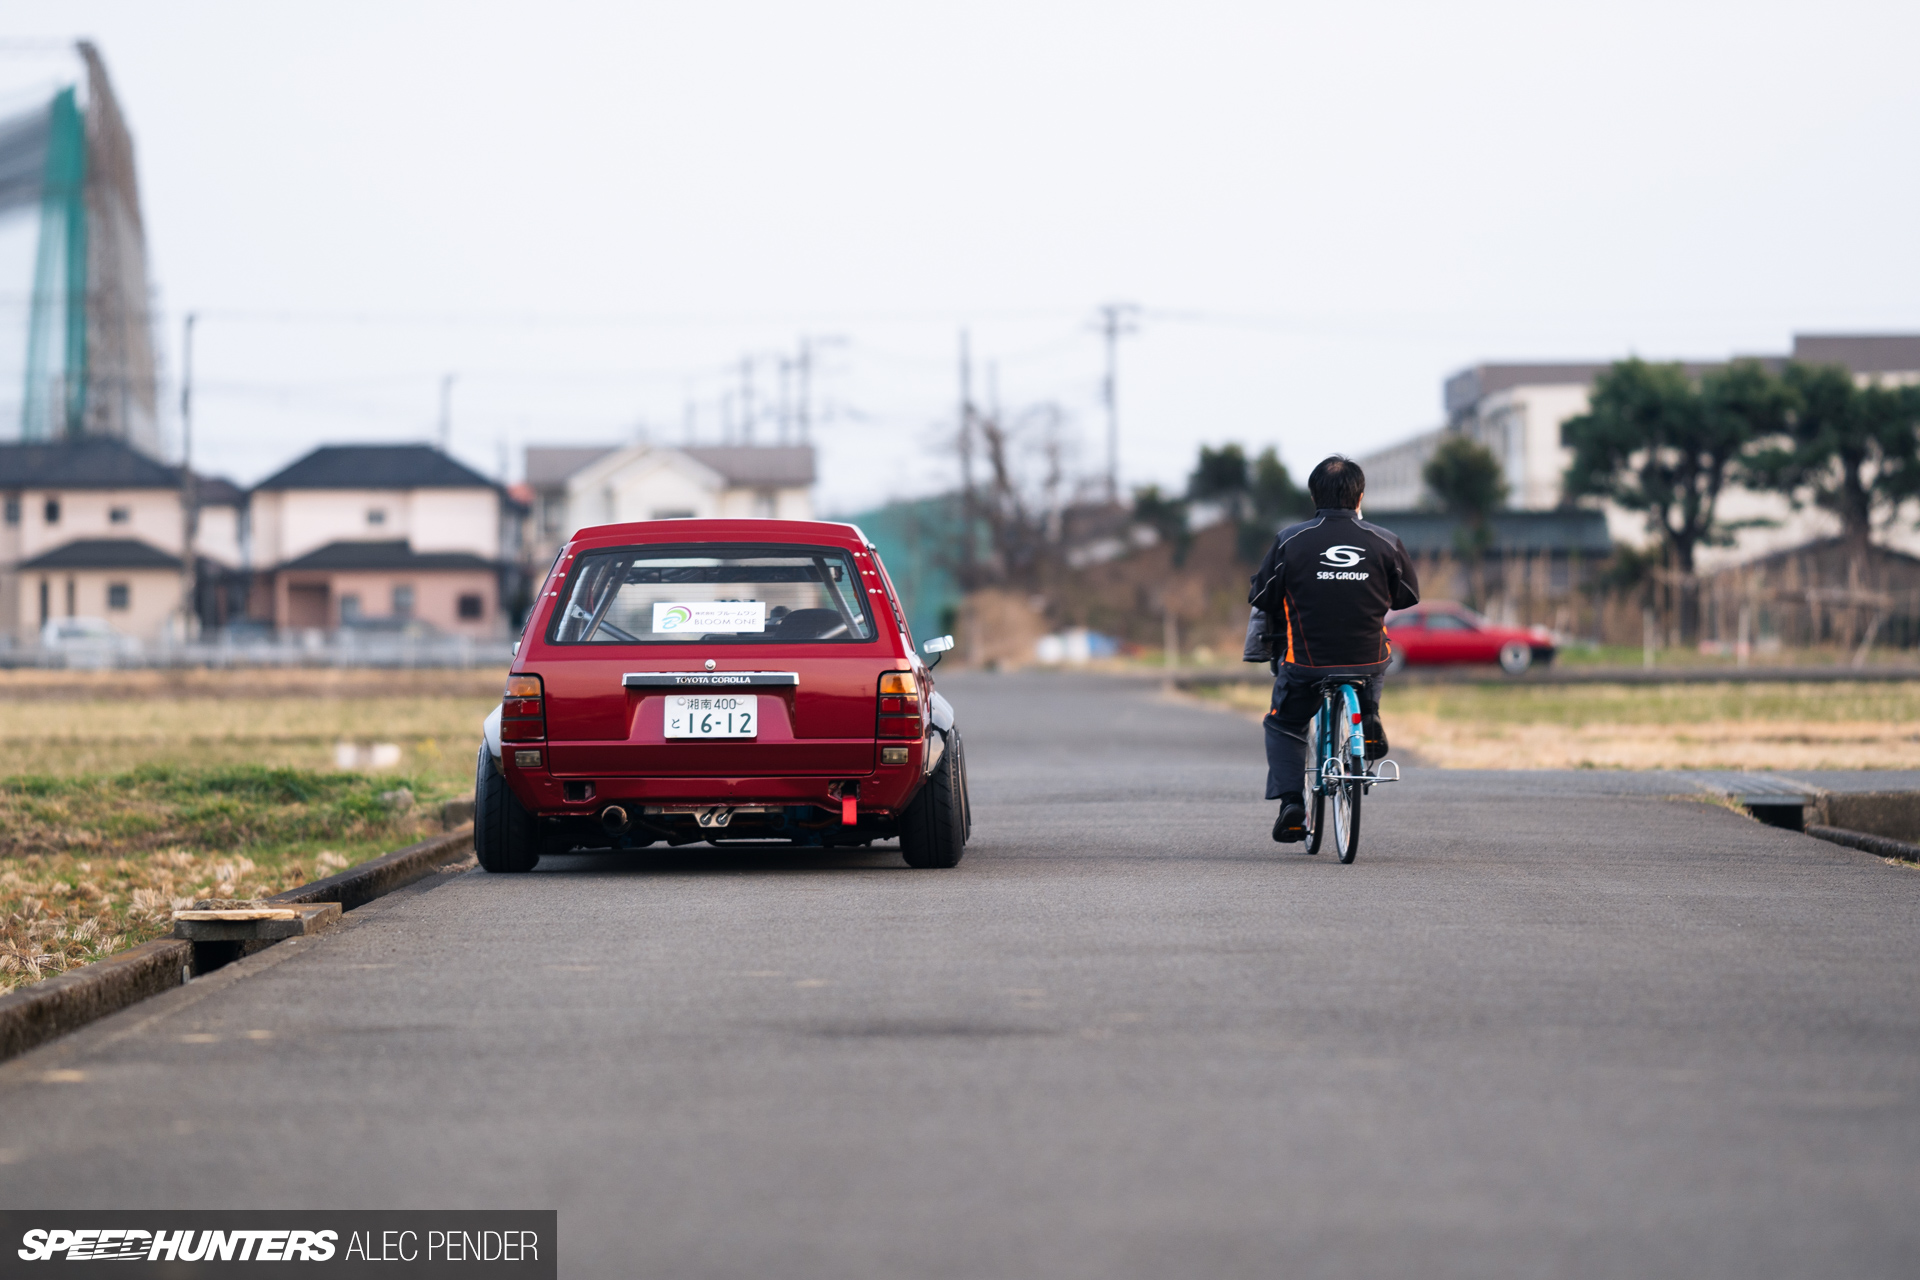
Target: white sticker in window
[711, 615]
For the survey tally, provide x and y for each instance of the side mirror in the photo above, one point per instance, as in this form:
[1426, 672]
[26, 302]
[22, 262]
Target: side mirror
[937, 646]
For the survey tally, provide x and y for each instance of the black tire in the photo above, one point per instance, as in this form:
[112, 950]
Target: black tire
[1316, 799]
[1346, 795]
[505, 838]
[1347, 833]
[966, 793]
[933, 829]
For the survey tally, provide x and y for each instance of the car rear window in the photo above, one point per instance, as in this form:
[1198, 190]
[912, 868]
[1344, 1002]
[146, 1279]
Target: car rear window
[726, 594]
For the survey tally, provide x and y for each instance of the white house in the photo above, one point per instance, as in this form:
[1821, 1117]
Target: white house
[383, 535]
[92, 527]
[578, 486]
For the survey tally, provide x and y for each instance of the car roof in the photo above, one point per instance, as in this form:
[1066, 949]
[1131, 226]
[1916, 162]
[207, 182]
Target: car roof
[734, 530]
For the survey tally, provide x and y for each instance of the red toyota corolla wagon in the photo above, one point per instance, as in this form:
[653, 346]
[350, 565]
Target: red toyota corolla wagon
[725, 681]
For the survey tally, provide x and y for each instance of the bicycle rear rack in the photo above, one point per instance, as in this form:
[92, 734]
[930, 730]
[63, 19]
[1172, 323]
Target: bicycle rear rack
[1368, 778]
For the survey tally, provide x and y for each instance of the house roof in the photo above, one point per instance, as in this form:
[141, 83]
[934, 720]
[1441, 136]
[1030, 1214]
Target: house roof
[103, 553]
[743, 466]
[397, 554]
[377, 466]
[548, 466]
[95, 462]
[212, 491]
[1516, 532]
[774, 466]
[1468, 387]
[1860, 352]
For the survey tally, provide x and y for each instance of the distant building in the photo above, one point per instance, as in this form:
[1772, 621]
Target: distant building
[1518, 411]
[384, 536]
[576, 486]
[93, 527]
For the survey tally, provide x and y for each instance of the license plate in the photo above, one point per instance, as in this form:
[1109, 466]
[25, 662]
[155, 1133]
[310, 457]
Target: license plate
[726, 715]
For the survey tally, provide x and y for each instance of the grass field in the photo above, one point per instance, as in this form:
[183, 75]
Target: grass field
[1696, 726]
[124, 795]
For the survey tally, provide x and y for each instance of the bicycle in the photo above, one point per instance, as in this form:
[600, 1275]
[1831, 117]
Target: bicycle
[1339, 769]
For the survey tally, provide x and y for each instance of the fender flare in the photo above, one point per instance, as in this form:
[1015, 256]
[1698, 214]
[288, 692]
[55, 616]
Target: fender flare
[490, 732]
[942, 712]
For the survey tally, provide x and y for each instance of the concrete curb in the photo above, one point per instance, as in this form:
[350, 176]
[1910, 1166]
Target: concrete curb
[1868, 844]
[357, 886]
[66, 1002]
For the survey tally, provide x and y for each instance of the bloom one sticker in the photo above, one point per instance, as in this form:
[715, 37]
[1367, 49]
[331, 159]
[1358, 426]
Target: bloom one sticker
[711, 615]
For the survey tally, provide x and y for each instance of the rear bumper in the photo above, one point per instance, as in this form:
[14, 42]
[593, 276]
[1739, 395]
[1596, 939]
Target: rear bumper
[885, 789]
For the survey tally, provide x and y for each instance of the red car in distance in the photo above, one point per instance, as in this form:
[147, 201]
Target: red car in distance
[1442, 631]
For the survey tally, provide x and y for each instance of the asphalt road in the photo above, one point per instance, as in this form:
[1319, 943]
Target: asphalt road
[1547, 1025]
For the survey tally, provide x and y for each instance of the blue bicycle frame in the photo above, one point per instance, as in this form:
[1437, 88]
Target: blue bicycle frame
[1349, 700]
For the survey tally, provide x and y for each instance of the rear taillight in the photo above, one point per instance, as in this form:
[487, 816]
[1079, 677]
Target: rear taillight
[899, 705]
[523, 713]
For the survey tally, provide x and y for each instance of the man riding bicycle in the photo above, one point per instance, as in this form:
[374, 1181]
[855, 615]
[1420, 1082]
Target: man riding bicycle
[1321, 599]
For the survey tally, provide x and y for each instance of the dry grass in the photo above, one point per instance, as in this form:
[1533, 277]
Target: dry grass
[1731, 726]
[125, 794]
[69, 723]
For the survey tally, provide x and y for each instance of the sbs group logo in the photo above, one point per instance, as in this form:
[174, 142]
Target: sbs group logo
[1343, 558]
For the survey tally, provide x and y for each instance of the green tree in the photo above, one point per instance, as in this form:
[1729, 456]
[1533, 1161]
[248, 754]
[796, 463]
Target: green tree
[1222, 476]
[1654, 440]
[1467, 481]
[1276, 501]
[1848, 449]
[1166, 516]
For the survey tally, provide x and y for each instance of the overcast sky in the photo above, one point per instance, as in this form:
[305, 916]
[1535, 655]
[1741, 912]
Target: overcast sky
[588, 213]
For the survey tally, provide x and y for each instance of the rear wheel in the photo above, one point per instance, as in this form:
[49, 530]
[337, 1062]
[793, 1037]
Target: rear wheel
[1346, 799]
[505, 838]
[966, 795]
[933, 830]
[1316, 797]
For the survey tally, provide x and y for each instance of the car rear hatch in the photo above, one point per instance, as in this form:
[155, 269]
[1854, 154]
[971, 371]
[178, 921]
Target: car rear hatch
[715, 660]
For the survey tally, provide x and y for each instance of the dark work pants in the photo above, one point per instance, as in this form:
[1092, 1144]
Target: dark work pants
[1294, 707]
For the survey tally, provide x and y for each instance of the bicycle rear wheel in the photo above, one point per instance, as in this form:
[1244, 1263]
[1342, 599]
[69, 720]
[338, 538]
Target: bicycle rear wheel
[1346, 799]
[1316, 793]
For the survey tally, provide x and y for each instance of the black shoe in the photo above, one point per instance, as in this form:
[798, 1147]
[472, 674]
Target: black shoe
[1291, 826]
[1375, 735]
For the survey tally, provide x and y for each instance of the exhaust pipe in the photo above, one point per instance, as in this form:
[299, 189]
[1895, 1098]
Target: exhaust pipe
[614, 819]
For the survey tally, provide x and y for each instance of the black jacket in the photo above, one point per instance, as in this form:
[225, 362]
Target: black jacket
[1326, 587]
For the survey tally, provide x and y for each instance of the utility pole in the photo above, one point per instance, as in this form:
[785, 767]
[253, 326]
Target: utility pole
[746, 399]
[446, 412]
[786, 398]
[189, 492]
[967, 502]
[1116, 320]
[803, 373]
